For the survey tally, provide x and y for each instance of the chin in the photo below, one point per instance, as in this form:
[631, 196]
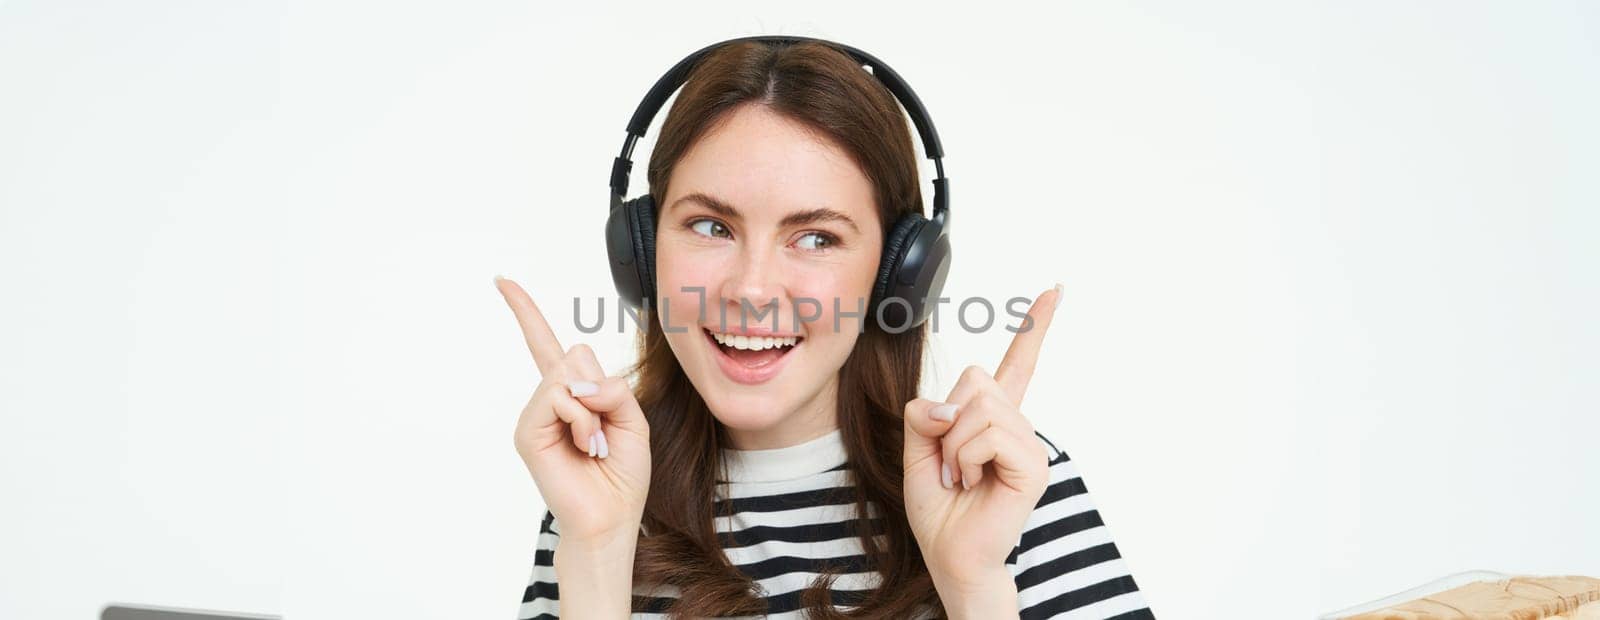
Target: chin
[747, 412]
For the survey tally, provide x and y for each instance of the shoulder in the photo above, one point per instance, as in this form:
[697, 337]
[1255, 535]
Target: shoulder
[1056, 454]
[1065, 507]
[1065, 561]
[1064, 483]
[548, 525]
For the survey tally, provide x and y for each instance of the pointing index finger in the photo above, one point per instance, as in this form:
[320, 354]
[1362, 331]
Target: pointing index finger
[1016, 368]
[541, 340]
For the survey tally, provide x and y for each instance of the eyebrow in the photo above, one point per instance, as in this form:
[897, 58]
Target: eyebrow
[798, 218]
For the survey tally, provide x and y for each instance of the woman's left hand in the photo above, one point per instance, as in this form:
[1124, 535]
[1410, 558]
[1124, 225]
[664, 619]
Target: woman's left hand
[966, 519]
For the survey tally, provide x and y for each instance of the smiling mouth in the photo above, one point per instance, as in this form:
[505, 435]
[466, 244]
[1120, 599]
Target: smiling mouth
[751, 359]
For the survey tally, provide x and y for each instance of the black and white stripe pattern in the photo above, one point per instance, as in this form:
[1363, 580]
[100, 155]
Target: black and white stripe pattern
[785, 529]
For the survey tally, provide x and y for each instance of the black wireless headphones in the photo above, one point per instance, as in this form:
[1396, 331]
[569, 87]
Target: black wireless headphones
[916, 251]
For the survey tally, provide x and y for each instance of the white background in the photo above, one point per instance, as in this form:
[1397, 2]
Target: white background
[1327, 271]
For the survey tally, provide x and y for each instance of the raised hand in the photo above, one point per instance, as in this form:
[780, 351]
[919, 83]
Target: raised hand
[974, 469]
[582, 435]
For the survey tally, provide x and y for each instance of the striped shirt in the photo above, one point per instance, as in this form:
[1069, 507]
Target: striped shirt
[790, 512]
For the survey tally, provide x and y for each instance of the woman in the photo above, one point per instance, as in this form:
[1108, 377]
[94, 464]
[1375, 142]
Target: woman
[793, 471]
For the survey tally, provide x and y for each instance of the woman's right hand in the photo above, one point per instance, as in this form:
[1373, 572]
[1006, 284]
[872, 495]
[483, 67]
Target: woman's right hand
[599, 499]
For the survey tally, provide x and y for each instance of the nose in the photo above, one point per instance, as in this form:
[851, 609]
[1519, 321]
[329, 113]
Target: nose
[754, 288]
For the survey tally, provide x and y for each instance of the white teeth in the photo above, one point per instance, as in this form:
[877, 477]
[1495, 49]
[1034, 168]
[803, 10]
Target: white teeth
[754, 343]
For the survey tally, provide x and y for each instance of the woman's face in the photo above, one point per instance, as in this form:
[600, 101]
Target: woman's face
[766, 223]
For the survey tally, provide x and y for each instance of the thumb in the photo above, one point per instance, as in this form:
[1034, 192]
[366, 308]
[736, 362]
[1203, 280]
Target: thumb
[609, 395]
[926, 423]
[613, 397]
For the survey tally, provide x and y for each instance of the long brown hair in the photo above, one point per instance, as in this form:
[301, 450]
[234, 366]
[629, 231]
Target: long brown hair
[822, 87]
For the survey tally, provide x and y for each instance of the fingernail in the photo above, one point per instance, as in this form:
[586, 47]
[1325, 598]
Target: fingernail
[964, 483]
[1058, 299]
[944, 475]
[605, 449]
[591, 444]
[583, 388]
[946, 412]
[498, 278]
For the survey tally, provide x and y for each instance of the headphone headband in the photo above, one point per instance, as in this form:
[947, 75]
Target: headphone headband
[679, 73]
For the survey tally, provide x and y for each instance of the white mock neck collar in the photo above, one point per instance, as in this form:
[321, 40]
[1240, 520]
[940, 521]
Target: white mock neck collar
[788, 463]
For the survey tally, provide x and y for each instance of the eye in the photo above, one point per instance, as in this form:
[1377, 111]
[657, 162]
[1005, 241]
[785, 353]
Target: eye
[816, 241]
[710, 228]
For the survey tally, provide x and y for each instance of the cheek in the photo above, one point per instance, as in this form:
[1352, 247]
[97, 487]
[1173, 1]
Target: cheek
[842, 291]
[674, 275]
[687, 282]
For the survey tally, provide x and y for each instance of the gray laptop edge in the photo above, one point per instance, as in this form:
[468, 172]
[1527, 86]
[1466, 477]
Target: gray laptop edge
[124, 611]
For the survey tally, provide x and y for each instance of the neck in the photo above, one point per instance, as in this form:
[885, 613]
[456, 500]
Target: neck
[814, 418]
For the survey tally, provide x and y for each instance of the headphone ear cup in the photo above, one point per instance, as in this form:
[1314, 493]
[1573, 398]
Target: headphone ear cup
[643, 210]
[621, 252]
[895, 246]
[631, 247]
